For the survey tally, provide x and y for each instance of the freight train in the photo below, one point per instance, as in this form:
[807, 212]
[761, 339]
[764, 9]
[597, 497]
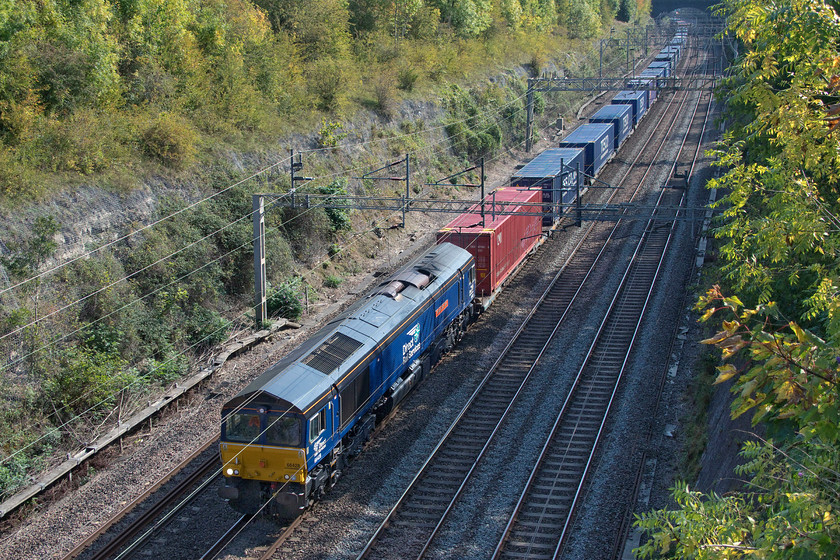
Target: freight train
[287, 437]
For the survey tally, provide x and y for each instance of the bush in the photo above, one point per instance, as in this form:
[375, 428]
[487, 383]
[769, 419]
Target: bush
[171, 141]
[330, 133]
[386, 102]
[285, 300]
[339, 218]
[332, 281]
[87, 142]
[86, 382]
[328, 81]
[206, 328]
[167, 369]
[406, 78]
[14, 474]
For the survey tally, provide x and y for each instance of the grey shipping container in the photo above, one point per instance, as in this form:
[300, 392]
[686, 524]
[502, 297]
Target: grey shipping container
[672, 50]
[621, 117]
[636, 99]
[596, 139]
[555, 171]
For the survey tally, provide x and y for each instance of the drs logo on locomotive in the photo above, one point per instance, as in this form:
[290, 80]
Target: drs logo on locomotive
[412, 346]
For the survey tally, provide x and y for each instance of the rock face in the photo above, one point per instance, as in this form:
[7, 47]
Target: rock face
[91, 216]
[88, 215]
[726, 435]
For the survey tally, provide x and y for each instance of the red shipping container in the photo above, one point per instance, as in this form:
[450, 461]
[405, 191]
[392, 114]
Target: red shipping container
[504, 241]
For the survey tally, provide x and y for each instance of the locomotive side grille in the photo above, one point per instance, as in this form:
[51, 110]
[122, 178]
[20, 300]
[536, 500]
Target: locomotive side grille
[332, 353]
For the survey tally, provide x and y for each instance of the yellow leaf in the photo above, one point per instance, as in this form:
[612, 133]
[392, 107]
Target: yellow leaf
[800, 334]
[709, 312]
[725, 373]
[723, 335]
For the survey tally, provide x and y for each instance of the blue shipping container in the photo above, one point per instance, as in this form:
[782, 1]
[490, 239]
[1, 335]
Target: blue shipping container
[658, 74]
[636, 99]
[664, 65]
[621, 117]
[673, 51]
[555, 171]
[650, 83]
[669, 58]
[596, 139]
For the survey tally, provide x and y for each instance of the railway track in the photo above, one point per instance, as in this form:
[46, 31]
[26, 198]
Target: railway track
[510, 373]
[416, 519]
[110, 549]
[542, 518]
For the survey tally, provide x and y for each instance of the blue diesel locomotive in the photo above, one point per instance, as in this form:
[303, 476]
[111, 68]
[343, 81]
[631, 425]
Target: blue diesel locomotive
[288, 435]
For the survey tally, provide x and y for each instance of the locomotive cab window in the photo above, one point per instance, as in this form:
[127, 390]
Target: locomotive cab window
[472, 275]
[317, 424]
[283, 430]
[243, 426]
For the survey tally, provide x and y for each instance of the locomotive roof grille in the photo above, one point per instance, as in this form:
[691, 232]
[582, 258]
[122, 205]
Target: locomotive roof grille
[332, 353]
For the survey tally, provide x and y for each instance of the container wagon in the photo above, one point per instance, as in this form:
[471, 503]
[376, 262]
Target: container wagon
[620, 116]
[646, 82]
[669, 58]
[637, 99]
[503, 242]
[658, 74]
[673, 51]
[556, 172]
[597, 142]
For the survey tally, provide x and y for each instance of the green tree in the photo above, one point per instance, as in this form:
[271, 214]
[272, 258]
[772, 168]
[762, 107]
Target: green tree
[779, 235]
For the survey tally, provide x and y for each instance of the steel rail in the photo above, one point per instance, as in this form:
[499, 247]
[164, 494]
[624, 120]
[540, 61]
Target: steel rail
[614, 316]
[225, 539]
[143, 520]
[622, 534]
[437, 450]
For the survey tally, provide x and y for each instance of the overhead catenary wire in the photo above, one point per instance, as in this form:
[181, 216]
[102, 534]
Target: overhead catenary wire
[252, 176]
[162, 259]
[429, 148]
[357, 236]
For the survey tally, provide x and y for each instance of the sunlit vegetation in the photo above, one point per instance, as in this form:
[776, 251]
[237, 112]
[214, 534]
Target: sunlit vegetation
[776, 305]
[123, 94]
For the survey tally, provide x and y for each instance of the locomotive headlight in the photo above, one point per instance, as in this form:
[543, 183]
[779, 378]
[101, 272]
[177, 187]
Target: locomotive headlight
[230, 472]
[235, 471]
[286, 476]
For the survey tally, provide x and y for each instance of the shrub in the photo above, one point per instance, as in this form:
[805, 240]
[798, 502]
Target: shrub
[87, 382]
[406, 78]
[285, 300]
[386, 102]
[17, 180]
[332, 281]
[171, 141]
[339, 218]
[167, 369]
[206, 328]
[330, 134]
[87, 142]
[328, 82]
